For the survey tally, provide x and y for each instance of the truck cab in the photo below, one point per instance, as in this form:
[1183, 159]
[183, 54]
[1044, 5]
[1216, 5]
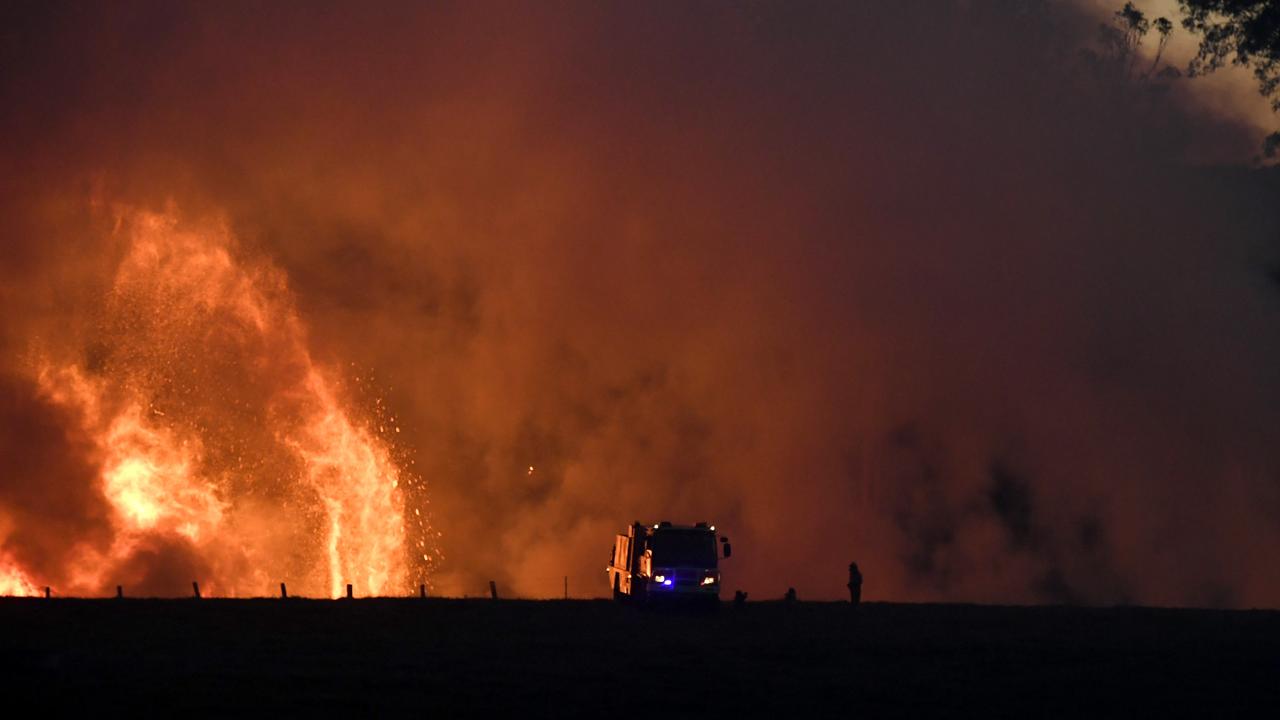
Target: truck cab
[665, 562]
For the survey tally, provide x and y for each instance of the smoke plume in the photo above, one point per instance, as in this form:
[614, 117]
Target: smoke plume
[930, 286]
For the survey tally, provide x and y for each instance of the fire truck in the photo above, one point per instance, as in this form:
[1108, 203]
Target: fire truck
[664, 562]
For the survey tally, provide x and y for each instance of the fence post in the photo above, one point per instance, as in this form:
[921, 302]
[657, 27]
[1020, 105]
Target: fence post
[422, 590]
[284, 594]
[119, 592]
[47, 592]
[566, 587]
[493, 590]
[196, 587]
[348, 591]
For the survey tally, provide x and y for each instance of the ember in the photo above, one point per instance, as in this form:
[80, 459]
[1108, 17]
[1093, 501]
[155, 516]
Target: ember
[226, 451]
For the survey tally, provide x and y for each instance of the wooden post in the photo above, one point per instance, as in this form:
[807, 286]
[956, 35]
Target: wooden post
[348, 591]
[195, 586]
[47, 592]
[119, 592]
[493, 590]
[422, 590]
[284, 594]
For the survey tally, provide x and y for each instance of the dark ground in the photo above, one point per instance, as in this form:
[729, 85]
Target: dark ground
[454, 658]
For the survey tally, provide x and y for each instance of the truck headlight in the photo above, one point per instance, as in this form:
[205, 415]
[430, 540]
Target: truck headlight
[710, 580]
[659, 579]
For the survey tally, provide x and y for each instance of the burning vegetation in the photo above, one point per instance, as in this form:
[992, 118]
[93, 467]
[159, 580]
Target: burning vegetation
[220, 449]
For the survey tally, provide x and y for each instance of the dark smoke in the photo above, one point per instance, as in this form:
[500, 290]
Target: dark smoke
[923, 285]
[48, 501]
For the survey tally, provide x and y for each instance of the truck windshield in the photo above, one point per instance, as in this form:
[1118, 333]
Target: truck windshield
[684, 548]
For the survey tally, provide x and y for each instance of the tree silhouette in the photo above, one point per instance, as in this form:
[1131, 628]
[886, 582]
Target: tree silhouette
[1123, 36]
[1164, 27]
[1133, 27]
[1245, 33]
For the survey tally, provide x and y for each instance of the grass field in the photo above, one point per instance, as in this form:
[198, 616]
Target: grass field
[475, 658]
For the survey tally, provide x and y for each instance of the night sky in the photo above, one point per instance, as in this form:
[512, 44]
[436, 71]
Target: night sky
[933, 286]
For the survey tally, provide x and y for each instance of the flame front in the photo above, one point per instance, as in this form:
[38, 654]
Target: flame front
[359, 487]
[13, 581]
[225, 450]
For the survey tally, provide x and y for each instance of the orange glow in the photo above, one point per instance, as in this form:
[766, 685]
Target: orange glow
[313, 497]
[148, 480]
[359, 486]
[14, 582]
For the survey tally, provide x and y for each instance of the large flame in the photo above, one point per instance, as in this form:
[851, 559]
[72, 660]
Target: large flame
[224, 448]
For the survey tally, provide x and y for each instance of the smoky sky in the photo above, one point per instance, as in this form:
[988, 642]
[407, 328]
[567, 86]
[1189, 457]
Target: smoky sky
[930, 286]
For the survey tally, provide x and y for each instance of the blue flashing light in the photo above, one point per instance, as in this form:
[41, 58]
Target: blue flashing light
[666, 582]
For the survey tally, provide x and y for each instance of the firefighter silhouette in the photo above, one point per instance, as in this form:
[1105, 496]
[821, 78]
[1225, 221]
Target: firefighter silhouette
[855, 584]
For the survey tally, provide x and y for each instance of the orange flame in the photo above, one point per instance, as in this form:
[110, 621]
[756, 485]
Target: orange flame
[14, 582]
[148, 478]
[359, 487]
[219, 433]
